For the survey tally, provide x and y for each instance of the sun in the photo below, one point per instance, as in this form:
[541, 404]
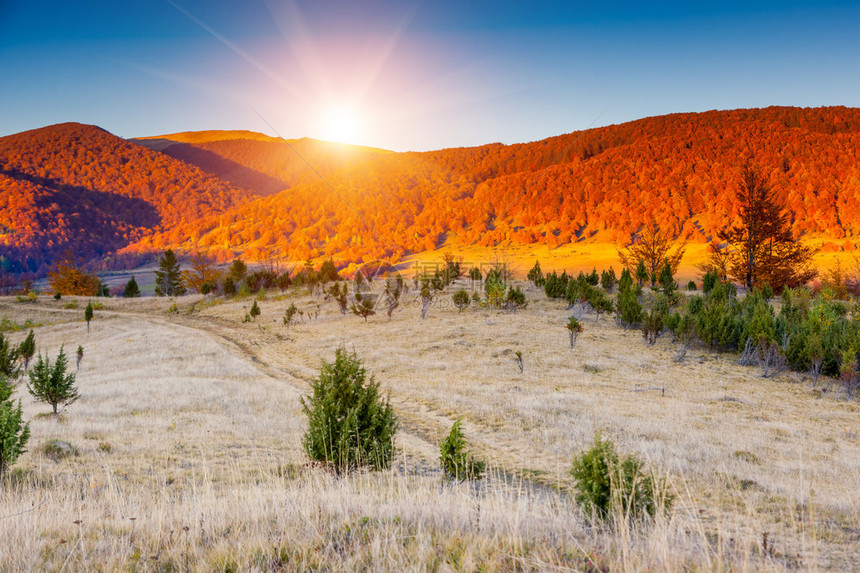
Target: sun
[341, 123]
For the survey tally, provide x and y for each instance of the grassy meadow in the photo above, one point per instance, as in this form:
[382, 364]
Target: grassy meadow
[186, 445]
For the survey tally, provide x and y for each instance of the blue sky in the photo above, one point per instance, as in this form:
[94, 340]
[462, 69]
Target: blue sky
[420, 75]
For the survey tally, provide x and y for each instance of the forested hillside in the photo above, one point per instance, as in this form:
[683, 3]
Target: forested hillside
[678, 171]
[73, 186]
[229, 193]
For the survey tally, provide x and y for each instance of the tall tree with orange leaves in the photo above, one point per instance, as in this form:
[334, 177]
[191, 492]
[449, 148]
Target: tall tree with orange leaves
[765, 249]
[69, 278]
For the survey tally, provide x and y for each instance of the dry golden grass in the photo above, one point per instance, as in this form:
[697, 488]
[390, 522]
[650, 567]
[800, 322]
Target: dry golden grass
[189, 429]
[600, 254]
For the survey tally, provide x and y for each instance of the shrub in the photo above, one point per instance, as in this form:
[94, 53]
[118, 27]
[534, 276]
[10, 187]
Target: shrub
[328, 272]
[229, 286]
[625, 281]
[692, 286]
[51, 384]
[457, 462]
[349, 424]
[290, 314]
[553, 286]
[238, 270]
[475, 274]
[515, 299]
[611, 487]
[461, 300]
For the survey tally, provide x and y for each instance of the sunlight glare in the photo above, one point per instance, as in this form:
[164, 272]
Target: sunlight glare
[342, 124]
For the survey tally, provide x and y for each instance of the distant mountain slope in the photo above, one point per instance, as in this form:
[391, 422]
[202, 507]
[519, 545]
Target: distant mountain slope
[305, 198]
[74, 186]
[679, 171]
[257, 162]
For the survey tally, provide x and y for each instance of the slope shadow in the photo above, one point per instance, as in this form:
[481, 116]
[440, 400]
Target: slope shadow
[123, 211]
[214, 164]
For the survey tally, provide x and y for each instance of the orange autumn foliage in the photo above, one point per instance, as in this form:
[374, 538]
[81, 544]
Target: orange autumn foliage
[114, 199]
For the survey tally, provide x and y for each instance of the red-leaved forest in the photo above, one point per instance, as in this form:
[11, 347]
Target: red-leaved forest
[115, 202]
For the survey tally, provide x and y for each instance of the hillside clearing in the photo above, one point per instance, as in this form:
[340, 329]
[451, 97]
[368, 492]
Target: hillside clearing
[188, 440]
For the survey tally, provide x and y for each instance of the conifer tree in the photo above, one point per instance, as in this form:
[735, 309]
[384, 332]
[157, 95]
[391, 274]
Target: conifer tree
[364, 303]
[764, 250]
[27, 349]
[394, 287]
[51, 384]
[132, 290]
[88, 314]
[574, 327]
[668, 286]
[9, 358]
[238, 270]
[349, 424]
[14, 433]
[535, 275]
[168, 277]
[461, 300]
[641, 273]
[457, 461]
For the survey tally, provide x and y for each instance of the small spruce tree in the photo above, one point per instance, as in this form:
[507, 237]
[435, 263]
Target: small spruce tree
[14, 433]
[608, 280]
[349, 424]
[515, 299]
[51, 384]
[27, 349]
[535, 275]
[394, 287]
[609, 486]
[255, 311]
[131, 290]
[457, 461]
[88, 314]
[238, 270]
[229, 286]
[574, 327]
[461, 300]
[641, 273]
[364, 303]
[290, 314]
[168, 277]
